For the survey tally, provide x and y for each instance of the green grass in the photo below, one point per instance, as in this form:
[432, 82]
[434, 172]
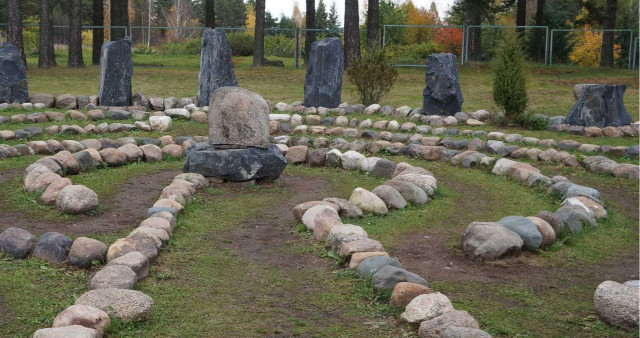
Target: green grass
[550, 89]
[17, 199]
[204, 284]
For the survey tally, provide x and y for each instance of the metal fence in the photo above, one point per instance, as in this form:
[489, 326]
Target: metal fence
[408, 44]
[583, 46]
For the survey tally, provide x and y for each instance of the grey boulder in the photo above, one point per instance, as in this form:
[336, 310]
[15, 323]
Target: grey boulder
[488, 240]
[601, 106]
[442, 94]
[52, 247]
[216, 68]
[323, 82]
[389, 275]
[116, 69]
[526, 229]
[17, 242]
[617, 304]
[13, 75]
[371, 265]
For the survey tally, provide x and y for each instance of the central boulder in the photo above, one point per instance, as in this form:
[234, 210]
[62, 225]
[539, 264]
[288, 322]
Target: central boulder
[239, 148]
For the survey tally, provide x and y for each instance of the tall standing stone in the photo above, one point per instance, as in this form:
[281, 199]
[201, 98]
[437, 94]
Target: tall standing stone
[13, 75]
[600, 106]
[116, 69]
[323, 83]
[442, 95]
[216, 69]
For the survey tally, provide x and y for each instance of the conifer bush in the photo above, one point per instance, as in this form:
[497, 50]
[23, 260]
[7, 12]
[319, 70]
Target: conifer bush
[509, 84]
[373, 75]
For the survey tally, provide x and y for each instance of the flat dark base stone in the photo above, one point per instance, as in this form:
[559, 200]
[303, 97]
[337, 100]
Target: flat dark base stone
[235, 165]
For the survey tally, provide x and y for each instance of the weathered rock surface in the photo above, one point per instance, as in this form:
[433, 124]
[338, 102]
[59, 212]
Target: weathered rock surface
[435, 327]
[123, 304]
[600, 105]
[442, 95]
[114, 277]
[13, 75]
[323, 82]
[216, 68]
[134, 260]
[389, 276]
[238, 118]
[236, 165]
[425, 307]
[617, 304]
[84, 315]
[488, 240]
[73, 331]
[116, 69]
[84, 251]
[76, 199]
[526, 229]
[17, 242]
[52, 247]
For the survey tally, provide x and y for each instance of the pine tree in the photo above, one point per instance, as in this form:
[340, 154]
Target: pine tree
[46, 55]
[98, 33]
[509, 84]
[14, 27]
[333, 22]
[321, 15]
[351, 32]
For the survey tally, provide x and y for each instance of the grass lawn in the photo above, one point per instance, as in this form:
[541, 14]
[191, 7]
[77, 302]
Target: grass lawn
[550, 89]
[217, 277]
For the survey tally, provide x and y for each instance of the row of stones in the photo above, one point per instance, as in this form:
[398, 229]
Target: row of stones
[616, 304]
[434, 148]
[44, 176]
[433, 311]
[107, 112]
[102, 128]
[491, 240]
[294, 124]
[139, 101]
[581, 204]
[477, 118]
[128, 261]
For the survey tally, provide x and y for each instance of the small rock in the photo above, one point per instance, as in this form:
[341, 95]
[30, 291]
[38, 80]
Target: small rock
[17, 242]
[617, 304]
[426, 307]
[74, 331]
[435, 327]
[345, 233]
[114, 277]
[123, 304]
[85, 251]
[84, 315]
[389, 276]
[52, 247]
[76, 199]
[368, 202]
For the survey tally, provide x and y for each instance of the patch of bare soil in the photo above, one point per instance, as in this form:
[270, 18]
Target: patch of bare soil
[263, 238]
[428, 255]
[123, 211]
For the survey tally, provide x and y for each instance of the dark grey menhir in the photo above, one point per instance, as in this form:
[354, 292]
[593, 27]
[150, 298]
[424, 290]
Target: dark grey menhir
[442, 94]
[600, 105]
[216, 69]
[13, 75]
[236, 165]
[323, 83]
[116, 69]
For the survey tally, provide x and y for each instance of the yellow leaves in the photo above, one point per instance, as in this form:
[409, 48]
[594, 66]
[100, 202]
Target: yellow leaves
[588, 48]
[251, 20]
[419, 16]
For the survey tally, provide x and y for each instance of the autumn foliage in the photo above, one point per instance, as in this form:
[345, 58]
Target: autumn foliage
[588, 47]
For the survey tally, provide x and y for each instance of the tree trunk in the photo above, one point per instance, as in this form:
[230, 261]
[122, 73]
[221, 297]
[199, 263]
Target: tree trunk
[351, 32]
[209, 14]
[475, 50]
[372, 23]
[119, 17]
[309, 36]
[46, 53]
[609, 22]
[258, 37]
[14, 27]
[98, 33]
[539, 35]
[75, 34]
[521, 15]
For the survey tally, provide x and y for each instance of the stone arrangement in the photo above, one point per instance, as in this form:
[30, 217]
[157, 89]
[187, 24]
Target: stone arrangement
[323, 83]
[599, 106]
[216, 68]
[432, 311]
[128, 261]
[45, 176]
[13, 75]
[239, 148]
[442, 95]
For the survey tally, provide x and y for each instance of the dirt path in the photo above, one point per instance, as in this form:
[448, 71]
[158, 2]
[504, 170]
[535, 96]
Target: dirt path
[123, 211]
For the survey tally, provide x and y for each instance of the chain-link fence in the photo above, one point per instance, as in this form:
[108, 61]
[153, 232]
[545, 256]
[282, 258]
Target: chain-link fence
[409, 45]
[481, 42]
[584, 47]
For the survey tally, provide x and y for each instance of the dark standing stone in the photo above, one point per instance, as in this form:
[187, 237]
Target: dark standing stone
[115, 73]
[236, 165]
[323, 83]
[216, 69]
[52, 247]
[442, 95]
[13, 75]
[600, 106]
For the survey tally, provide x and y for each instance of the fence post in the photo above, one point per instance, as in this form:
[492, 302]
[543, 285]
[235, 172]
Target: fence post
[546, 45]
[551, 49]
[630, 47]
[295, 50]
